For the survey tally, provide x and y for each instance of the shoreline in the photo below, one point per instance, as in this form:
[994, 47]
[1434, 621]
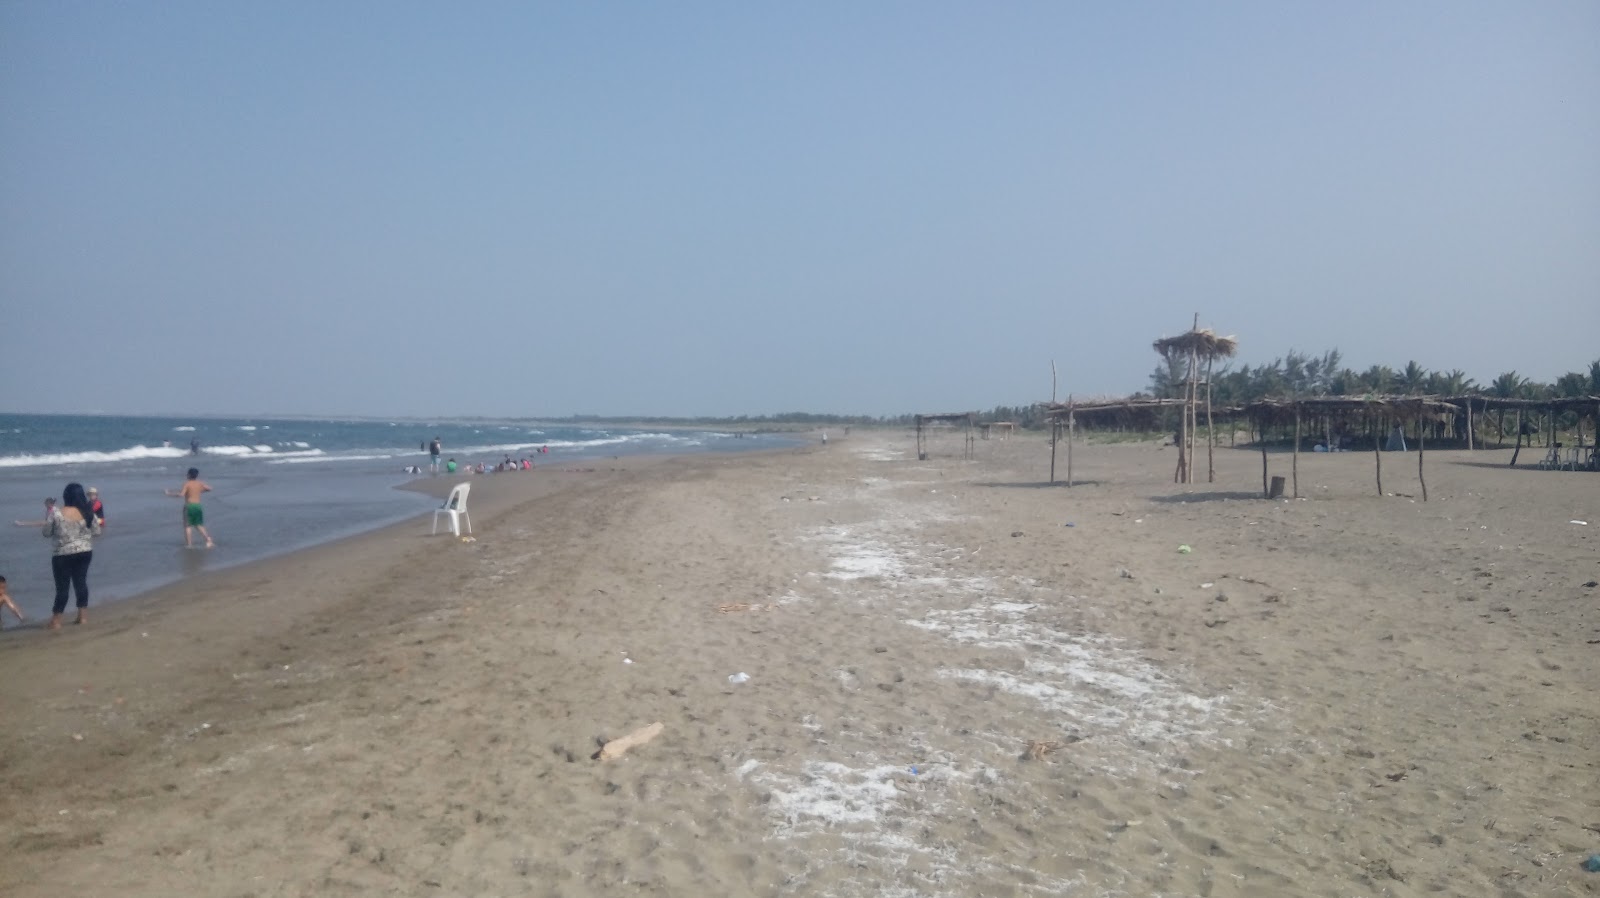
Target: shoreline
[504, 492]
[33, 585]
[967, 680]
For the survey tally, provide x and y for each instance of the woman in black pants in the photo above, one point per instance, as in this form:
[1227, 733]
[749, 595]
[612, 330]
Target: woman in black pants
[71, 529]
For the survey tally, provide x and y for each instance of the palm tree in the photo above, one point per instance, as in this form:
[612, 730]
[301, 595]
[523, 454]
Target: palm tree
[1378, 379]
[1572, 384]
[1455, 383]
[1413, 378]
[1507, 386]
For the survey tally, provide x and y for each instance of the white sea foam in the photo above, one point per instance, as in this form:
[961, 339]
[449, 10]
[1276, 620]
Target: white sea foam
[316, 455]
[668, 439]
[88, 458]
[237, 450]
[183, 427]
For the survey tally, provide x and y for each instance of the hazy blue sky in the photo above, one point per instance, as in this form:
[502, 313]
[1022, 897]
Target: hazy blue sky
[723, 208]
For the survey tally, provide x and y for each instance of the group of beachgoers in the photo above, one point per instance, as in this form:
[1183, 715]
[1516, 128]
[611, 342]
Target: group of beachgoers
[73, 525]
[437, 464]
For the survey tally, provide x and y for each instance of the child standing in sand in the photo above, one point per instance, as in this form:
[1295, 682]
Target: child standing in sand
[5, 602]
[194, 517]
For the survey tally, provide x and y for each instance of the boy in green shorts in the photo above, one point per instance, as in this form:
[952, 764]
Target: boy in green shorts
[194, 517]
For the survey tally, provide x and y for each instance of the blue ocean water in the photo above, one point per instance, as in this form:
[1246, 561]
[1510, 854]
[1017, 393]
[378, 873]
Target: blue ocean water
[278, 484]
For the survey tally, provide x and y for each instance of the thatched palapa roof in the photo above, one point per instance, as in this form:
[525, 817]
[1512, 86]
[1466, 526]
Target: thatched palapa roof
[1136, 413]
[1583, 405]
[1202, 342]
[1397, 408]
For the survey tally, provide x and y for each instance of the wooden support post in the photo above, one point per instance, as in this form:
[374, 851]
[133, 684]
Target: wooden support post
[1265, 490]
[1055, 436]
[1294, 463]
[1194, 411]
[1469, 423]
[1420, 450]
[1377, 458]
[1179, 475]
[1517, 451]
[1071, 432]
[1211, 432]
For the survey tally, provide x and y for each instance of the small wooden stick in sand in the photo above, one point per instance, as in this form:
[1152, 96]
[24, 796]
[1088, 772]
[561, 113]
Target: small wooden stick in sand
[1038, 748]
[616, 747]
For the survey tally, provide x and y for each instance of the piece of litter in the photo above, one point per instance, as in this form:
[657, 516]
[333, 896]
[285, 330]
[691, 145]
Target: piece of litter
[740, 677]
[1069, 524]
[1184, 550]
[627, 660]
[1207, 585]
[1584, 523]
[77, 737]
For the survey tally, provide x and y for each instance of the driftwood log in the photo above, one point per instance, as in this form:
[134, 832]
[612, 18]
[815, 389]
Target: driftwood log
[617, 747]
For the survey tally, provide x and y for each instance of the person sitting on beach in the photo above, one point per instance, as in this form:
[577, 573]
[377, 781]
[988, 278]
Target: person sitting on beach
[450, 466]
[5, 602]
[194, 516]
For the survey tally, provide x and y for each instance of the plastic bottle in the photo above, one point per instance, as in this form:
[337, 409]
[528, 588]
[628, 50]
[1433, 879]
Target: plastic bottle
[740, 677]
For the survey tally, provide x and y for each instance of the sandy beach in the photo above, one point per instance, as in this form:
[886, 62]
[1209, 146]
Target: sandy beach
[962, 681]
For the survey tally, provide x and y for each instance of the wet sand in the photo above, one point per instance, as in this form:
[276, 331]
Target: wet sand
[1346, 695]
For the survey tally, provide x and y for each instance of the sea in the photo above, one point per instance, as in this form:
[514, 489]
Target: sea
[279, 484]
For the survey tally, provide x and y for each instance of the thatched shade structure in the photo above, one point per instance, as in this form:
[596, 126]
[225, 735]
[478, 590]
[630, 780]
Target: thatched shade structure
[1584, 406]
[1134, 414]
[969, 418]
[1363, 409]
[1201, 342]
[1199, 345]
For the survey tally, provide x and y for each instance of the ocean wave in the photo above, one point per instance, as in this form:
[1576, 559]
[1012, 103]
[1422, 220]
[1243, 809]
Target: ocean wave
[317, 455]
[235, 451]
[665, 439]
[184, 427]
[89, 458]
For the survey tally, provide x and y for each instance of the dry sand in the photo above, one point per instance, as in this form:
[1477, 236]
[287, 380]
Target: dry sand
[1347, 695]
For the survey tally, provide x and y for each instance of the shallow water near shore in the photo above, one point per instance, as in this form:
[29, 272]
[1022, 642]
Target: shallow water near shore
[278, 484]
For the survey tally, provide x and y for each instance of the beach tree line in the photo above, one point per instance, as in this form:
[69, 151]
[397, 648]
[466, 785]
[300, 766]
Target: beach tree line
[1300, 374]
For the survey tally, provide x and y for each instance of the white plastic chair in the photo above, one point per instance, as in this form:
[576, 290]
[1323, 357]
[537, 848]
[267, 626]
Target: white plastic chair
[456, 507]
